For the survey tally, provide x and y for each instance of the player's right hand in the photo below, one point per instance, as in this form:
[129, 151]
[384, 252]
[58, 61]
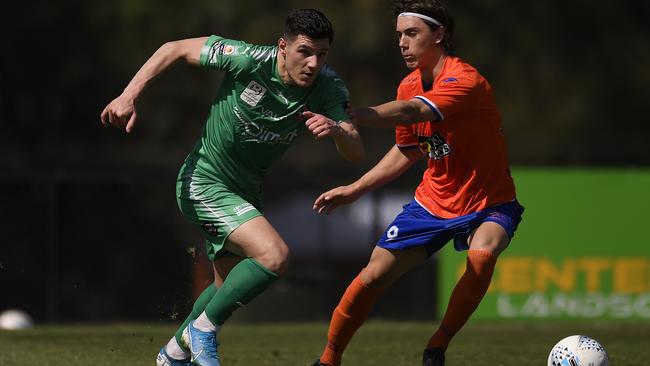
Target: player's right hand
[120, 113]
[334, 198]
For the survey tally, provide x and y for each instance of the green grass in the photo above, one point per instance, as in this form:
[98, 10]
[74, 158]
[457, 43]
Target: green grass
[377, 343]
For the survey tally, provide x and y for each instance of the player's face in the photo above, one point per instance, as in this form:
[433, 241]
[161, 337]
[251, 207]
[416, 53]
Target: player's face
[418, 44]
[304, 57]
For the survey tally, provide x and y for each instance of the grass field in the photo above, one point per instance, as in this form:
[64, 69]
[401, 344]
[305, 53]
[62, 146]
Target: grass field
[377, 343]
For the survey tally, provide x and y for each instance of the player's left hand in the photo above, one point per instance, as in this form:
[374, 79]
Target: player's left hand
[321, 126]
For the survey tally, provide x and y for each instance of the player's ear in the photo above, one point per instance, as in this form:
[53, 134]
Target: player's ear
[282, 47]
[439, 34]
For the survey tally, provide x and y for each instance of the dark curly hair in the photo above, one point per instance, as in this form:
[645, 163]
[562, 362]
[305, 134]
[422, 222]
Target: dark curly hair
[308, 22]
[434, 9]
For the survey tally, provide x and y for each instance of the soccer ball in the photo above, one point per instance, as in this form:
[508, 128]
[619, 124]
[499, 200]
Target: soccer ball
[578, 350]
[15, 319]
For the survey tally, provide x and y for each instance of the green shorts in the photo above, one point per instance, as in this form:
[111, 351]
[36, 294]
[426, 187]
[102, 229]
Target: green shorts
[216, 211]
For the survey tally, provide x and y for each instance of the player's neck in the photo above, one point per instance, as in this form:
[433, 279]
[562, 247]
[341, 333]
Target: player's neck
[430, 72]
[282, 71]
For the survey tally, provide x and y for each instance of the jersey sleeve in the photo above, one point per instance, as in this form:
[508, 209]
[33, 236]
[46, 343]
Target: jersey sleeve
[225, 54]
[405, 139]
[449, 96]
[335, 97]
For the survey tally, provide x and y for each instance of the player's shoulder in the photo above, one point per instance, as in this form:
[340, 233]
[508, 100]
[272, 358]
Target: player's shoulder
[409, 84]
[458, 72]
[414, 78]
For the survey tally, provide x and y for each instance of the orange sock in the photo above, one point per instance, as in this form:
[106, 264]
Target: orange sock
[465, 298]
[352, 311]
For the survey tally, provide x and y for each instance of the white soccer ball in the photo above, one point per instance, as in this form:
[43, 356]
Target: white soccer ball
[578, 350]
[15, 319]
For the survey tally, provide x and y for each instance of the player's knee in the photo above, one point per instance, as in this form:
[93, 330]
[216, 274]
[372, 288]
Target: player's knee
[490, 237]
[494, 245]
[276, 258]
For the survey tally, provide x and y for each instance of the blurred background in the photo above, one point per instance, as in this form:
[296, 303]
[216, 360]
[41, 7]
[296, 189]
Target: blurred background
[89, 223]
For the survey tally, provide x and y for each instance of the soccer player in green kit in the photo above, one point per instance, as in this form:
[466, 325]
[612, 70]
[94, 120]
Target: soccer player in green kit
[268, 94]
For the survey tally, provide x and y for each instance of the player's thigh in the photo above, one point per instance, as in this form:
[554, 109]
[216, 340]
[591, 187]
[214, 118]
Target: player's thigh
[489, 236]
[387, 265]
[256, 238]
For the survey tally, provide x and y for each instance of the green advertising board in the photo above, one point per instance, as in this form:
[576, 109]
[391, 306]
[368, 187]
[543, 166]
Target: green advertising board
[581, 251]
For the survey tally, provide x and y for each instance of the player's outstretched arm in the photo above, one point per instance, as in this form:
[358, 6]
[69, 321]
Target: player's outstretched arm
[345, 135]
[391, 166]
[393, 113]
[121, 111]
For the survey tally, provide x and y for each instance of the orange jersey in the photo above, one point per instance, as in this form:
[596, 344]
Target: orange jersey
[467, 168]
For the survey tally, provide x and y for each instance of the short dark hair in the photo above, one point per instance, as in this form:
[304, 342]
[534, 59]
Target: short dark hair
[308, 22]
[434, 9]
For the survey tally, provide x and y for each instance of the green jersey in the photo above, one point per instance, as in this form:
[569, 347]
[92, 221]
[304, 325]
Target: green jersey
[255, 117]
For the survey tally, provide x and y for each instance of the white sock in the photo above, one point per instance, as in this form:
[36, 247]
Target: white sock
[204, 324]
[175, 351]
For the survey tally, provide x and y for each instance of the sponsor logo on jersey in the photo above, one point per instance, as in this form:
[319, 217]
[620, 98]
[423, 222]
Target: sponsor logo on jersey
[435, 147]
[252, 132]
[449, 81]
[253, 93]
[267, 113]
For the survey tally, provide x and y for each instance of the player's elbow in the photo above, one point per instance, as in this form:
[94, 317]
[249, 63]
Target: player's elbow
[170, 50]
[171, 47]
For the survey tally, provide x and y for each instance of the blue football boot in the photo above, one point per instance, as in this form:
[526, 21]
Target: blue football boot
[202, 345]
[164, 359]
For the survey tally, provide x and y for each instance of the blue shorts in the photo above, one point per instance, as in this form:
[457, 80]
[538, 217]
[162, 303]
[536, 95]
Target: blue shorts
[415, 226]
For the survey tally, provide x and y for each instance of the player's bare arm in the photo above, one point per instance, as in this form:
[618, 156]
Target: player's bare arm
[394, 113]
[391, 166]
[346, 137]
[121, 111]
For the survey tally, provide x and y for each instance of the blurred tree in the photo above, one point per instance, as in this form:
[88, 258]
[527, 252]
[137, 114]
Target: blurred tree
[565, 74]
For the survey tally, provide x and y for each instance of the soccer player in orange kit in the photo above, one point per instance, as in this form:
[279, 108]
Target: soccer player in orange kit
[446, 112]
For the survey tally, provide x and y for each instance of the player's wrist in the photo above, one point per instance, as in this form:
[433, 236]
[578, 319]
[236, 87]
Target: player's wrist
[357, 188]
[338, 130]
[132, 91]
